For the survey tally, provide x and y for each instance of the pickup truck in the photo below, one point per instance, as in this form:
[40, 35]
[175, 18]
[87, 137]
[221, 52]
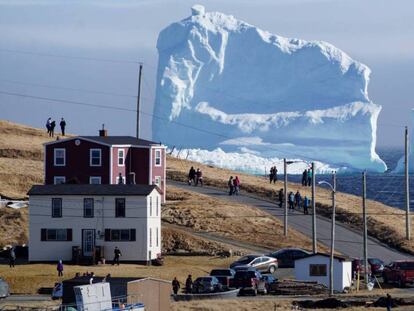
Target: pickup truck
[400, 272]
[225, 276]
[249, 281]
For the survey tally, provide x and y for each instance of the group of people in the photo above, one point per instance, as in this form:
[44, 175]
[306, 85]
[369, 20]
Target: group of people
[273, 174]
[188, 285]
[307, 177]
[51, 124]
[195, 177]
[295, 201]
[234, 185]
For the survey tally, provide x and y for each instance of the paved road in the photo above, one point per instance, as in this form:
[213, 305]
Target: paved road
[348, 241]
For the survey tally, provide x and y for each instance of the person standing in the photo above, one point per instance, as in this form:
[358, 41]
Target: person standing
[306, 204]
[389, 302]
[298, 199]
[52, 128]
[189, 284]
[48, 125]
[236, 184]
[117, 254]
[175, 285]
[271, 175]
[199, 177]
[231, 185]
[304, 177]
[291, 200]
[12, 257]
[281, 197]
[191, 176]
[63, 126]
[309, 177]
[59, 268]
[274, 174]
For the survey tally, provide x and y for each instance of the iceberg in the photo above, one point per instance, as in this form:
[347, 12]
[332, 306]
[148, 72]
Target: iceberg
[223, 83]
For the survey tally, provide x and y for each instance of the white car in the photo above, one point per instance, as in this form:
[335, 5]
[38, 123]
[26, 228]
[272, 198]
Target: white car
[261, 263]
[4, 289]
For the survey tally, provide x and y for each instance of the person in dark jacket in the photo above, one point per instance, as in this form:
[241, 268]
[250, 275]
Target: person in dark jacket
[305, 178]
[271, 175]
[309, 177]
[175, 285]
[191, 176]
[298, 199]
[12, 257]
[189, 284]
[52, 128]
[230, 185]
[63, 126]
[281, 197]
[117, 254]
[274, 174]
[291, 199]
[59, 268]
[389, 302]
[48, 123]
[306, 204]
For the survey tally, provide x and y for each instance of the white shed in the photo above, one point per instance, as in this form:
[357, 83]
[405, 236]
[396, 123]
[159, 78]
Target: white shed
[316, 268]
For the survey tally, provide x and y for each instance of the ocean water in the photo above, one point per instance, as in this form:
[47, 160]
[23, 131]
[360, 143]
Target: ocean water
[387, 188]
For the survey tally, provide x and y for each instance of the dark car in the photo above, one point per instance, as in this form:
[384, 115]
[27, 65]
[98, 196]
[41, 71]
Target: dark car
[250, 281]
[400, 272]
[206, 284]
[377, 266]
[270, 283]
[261, 263]
[4, 289]
[286, 256]
[224, 276]
[358, 266]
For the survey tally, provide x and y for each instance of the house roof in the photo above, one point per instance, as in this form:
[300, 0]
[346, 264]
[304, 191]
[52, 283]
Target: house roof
[120, 140]
[337, 257]
[86, 189]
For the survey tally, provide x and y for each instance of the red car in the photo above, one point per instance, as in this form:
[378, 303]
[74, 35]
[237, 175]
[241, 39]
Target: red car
[400, 272]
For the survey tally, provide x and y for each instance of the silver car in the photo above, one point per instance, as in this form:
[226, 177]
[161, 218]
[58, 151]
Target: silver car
[4, 289]
[261, 263]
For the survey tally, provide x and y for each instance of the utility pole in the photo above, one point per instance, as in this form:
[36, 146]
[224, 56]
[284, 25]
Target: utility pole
[314, 241]
[364, 213]
[331, 263]
[286, 199]
[407, 190]
[139, 98]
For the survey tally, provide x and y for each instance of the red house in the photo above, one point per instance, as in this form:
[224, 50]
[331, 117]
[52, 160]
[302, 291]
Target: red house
[105, 159]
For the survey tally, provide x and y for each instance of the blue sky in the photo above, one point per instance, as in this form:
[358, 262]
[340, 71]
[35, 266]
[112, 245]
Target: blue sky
[378, 33]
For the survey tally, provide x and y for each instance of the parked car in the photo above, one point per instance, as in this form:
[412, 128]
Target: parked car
[358, 266]
[4, 289]
[377, 266]
[261, 263]
[270, 283]
[206, 284]
[57, 291]
[244, 268]
[224, 276]
[249, 281]
[400, 272]
[286, 256]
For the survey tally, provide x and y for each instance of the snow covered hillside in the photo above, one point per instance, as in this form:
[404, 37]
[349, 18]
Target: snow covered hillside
[224, 83]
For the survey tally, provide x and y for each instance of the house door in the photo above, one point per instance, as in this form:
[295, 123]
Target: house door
[88, 242]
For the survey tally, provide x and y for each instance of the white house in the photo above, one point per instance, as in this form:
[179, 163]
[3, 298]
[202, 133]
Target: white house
[94, 218]
[315, 267]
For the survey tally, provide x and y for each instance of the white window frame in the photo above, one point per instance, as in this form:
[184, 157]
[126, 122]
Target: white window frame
[54, 156]
[159, 158]
[90, 156]
[55, 178]
[95, 177]
[123, 157]
[157, 181]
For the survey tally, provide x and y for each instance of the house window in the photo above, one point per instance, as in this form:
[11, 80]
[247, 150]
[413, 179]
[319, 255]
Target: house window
[157, 236]
[150, 237]
[157, 181]
[56, 207]
[88, 207]
[120, 235]
[59, 157]
[57, 180]
[121, 157]
[157, 157]
[56, 235]
[95, 180]
[95, 157]
[317, 270]
[150, 204]
[119, 207]
[157, 206]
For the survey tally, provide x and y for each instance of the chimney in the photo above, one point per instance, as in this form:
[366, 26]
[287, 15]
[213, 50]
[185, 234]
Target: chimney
[103, 132]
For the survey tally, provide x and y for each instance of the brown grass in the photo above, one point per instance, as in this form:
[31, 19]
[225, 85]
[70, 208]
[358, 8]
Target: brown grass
[241, 222]
[384, 222]
[13, 226]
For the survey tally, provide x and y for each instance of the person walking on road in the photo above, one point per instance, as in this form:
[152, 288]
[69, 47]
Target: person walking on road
[191, 176]
[230, 184]
[189, 284]
[199, 177]
[117, 254]
[306, 204]
[62, 126]
[281, 197]
[59, 268]
[389, 302]
[298, 199]
[175, 285]
[12, 257]
[291, 198]
[236, 184]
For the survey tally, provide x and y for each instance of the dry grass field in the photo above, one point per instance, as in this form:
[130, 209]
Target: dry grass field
[384, 222]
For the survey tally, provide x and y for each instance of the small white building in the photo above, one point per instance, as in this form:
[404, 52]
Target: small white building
[315, 267]
[91, 220]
